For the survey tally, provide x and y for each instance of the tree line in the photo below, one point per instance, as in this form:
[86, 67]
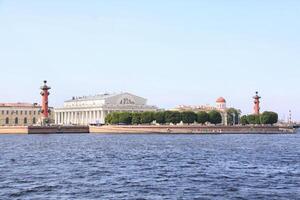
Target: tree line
[264, 118]
[189, 117]
[164, 117]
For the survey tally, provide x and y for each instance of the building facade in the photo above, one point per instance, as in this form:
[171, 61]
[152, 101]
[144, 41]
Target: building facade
[93, 109]
[220, 106]
[19, 114]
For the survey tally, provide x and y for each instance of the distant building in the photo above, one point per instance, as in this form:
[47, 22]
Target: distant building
[93, 109]
[19, 114]
[220, 106]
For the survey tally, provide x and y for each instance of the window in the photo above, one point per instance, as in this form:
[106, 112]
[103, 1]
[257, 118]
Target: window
[12, 112]
[7, 112]
[7, 120]
[29, 112]
[2, 112]
[16, 120]
[34, 120]
[21, 112]
[25, 120]
[25, 112]
[34, 112]
[17, 112]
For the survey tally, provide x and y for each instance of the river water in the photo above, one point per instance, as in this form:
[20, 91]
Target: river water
[150, 166]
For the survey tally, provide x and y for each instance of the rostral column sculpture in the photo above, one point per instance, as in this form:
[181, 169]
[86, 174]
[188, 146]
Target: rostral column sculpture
[256, 104]
[45, 104]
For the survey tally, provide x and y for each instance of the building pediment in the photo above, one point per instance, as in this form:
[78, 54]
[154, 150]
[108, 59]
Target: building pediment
[125, 99]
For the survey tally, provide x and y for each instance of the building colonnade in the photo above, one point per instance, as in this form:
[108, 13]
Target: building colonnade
[84, 117]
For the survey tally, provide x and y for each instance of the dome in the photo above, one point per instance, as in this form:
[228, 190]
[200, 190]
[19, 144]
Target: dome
[221, 100]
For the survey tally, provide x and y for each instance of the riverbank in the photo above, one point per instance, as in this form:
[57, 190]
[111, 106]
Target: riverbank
[43, 129]
[193, 129]
[148, 129]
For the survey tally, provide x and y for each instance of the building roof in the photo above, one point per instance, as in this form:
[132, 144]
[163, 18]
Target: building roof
[23, 105]
[91, 97]
[221, 100]
[97, 97]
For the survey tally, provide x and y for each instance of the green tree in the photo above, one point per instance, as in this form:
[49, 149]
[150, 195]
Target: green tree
[125, 118]
[136, 118]
[172, 117]
[244, 120]
[269, 118]
[159, 117]
[114, 118]
[253, 119]
[188, 117]
[108, 119]
[202, 117]
[274, 118]
[147, 117]
[215, 117]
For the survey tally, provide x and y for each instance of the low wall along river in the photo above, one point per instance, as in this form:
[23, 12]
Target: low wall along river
[192, 129]
[43, 129]
[147, 129]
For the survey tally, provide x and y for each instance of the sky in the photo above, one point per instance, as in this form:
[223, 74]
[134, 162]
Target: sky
[171, 52]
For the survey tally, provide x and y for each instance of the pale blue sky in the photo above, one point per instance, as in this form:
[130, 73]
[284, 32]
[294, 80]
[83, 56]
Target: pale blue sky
[171, 52]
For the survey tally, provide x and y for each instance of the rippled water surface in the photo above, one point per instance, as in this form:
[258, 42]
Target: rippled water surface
[150, 166]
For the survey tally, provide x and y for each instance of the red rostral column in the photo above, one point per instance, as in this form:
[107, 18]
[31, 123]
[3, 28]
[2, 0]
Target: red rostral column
[45, 108]
[256, 104]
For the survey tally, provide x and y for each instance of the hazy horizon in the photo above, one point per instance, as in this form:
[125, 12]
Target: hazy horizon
[170, 52]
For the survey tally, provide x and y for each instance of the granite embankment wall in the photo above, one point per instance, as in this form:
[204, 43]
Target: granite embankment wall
[58, 129]
[13, 130]
[43, 129]
[192, 129]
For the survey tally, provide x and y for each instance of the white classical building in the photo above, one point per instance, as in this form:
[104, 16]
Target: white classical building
[93, 109]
